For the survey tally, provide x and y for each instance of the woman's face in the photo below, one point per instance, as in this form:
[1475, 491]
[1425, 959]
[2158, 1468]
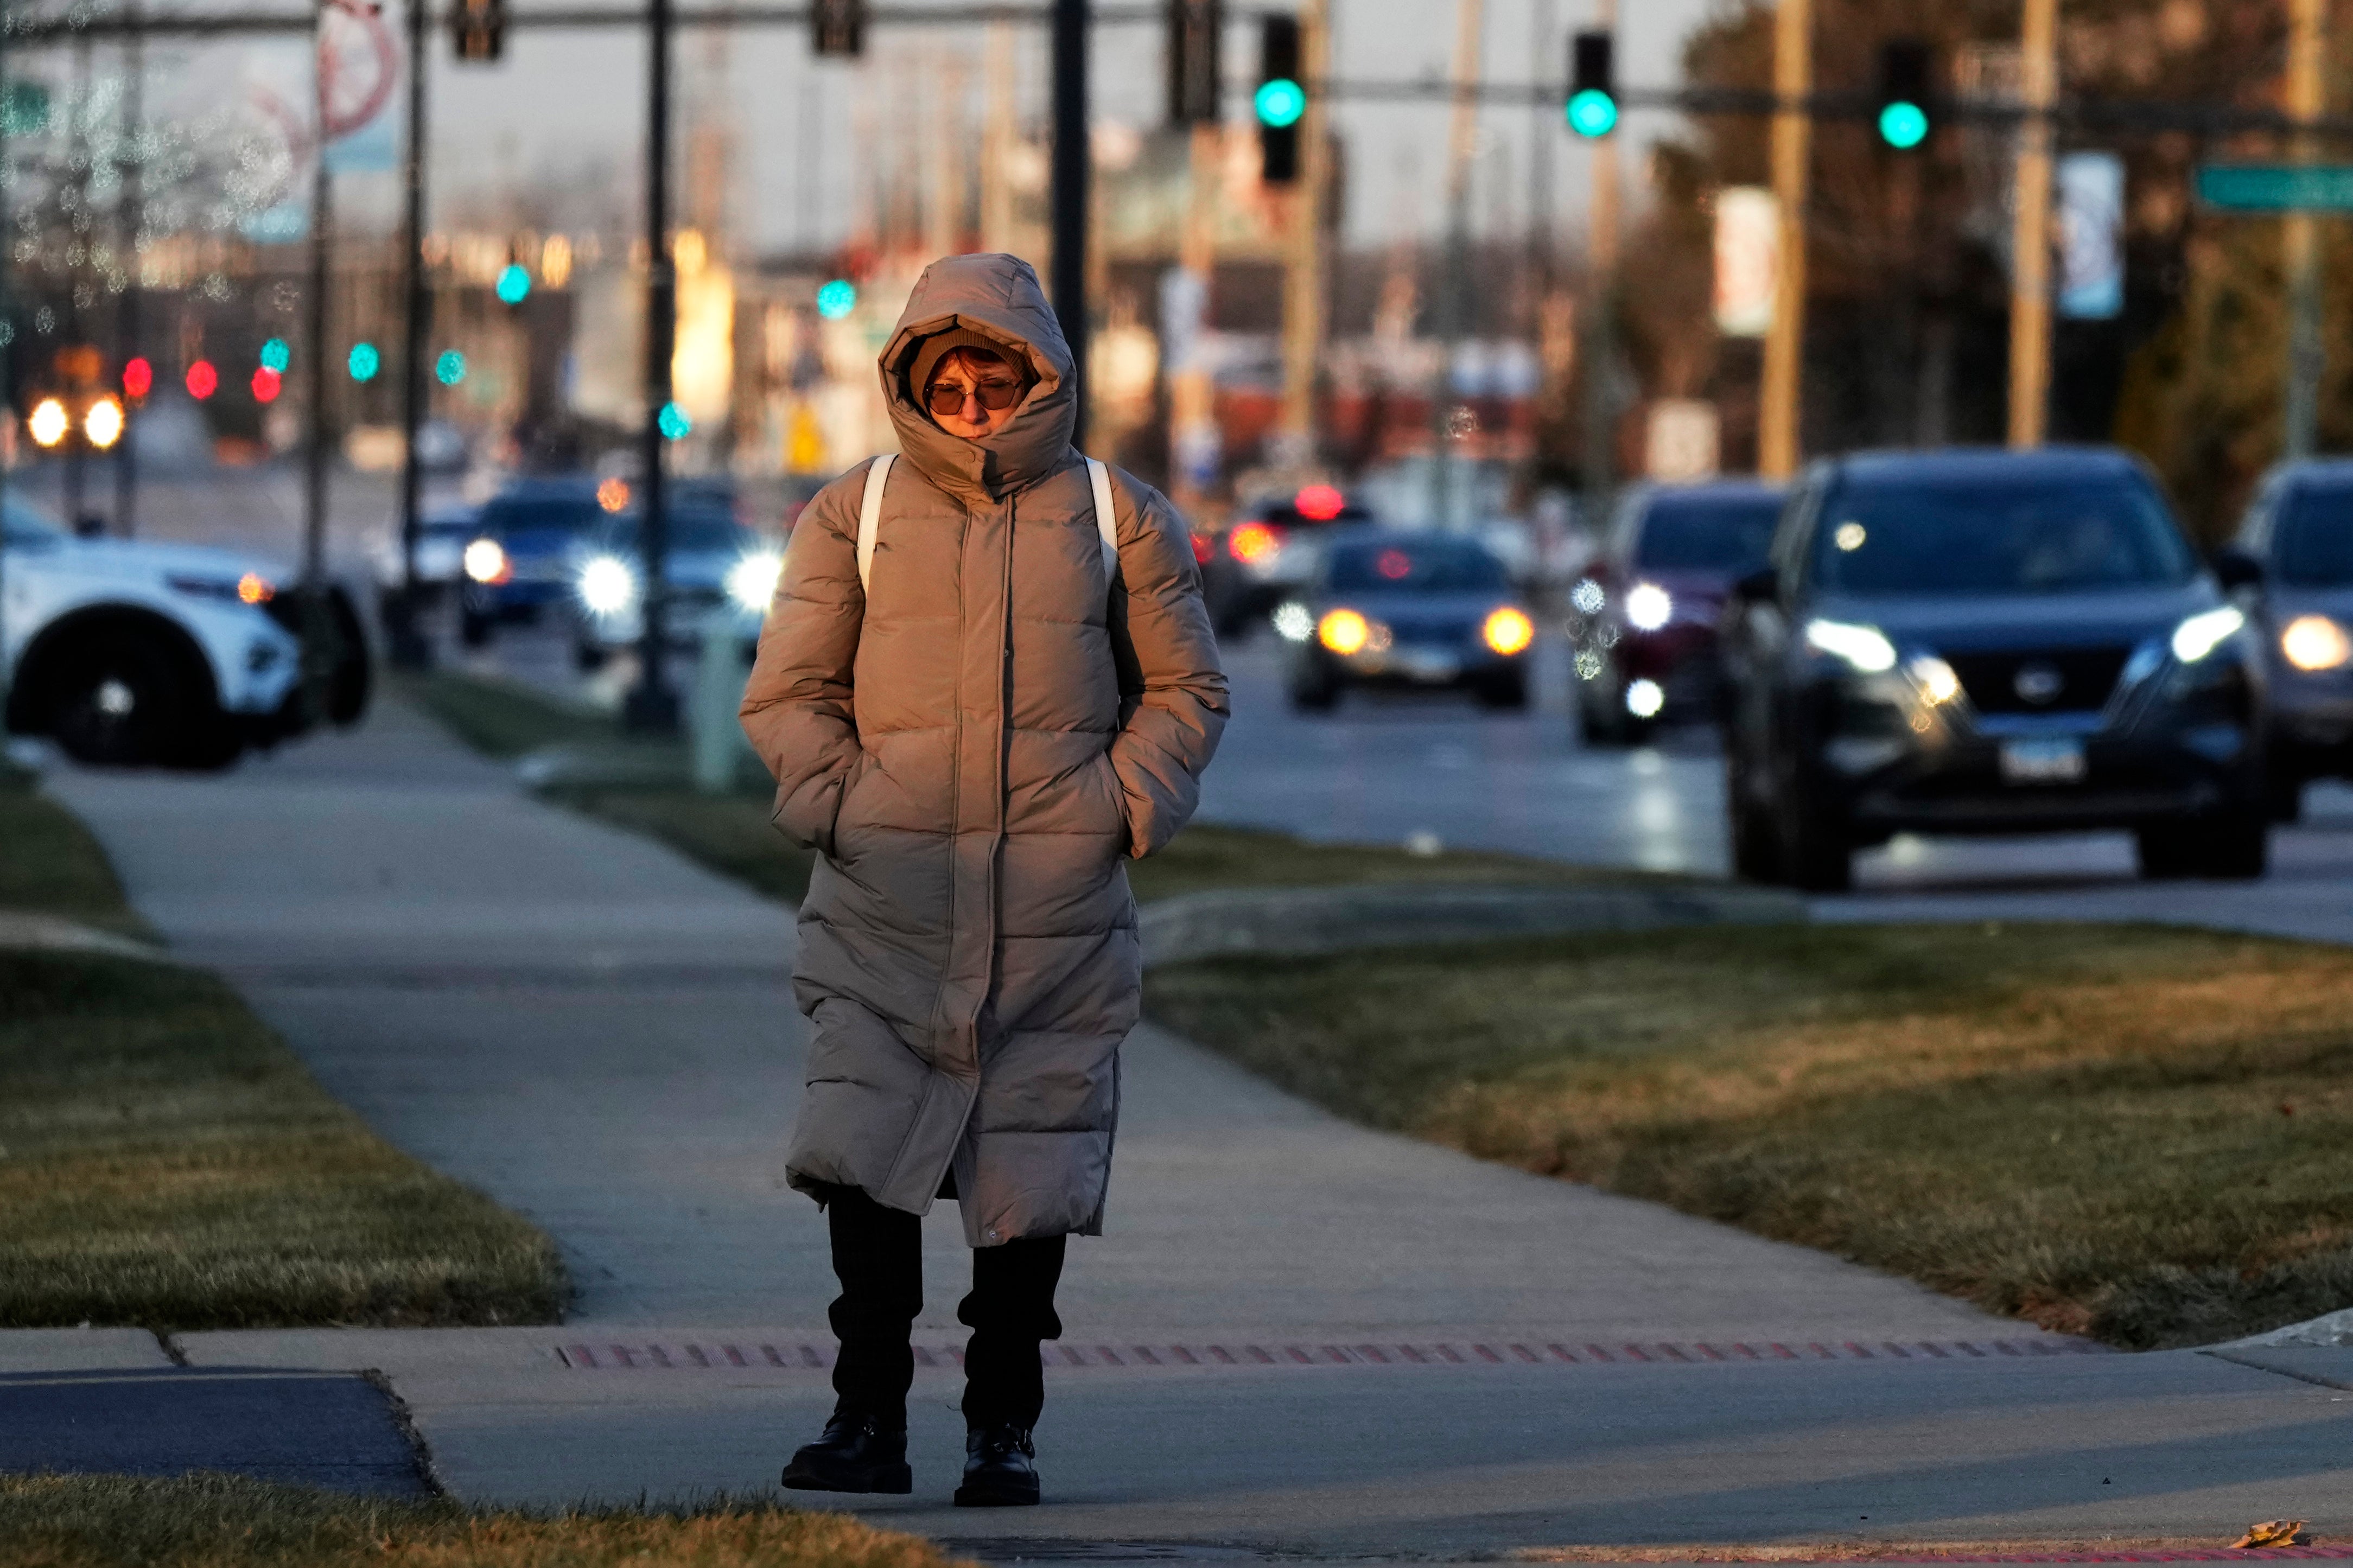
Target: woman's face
[973, 394]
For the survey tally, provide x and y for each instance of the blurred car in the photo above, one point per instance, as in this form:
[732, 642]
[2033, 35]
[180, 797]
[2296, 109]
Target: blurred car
[1641, 621]
[1407, 610]
[519, 560]
[442, 534]
[1267, 553]
[712, 562]
[1988, 642]
[135, 654]
[2292, 567]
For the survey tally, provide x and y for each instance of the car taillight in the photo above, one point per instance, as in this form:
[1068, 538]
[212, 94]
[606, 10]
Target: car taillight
[1203, 548]
[1253, 542]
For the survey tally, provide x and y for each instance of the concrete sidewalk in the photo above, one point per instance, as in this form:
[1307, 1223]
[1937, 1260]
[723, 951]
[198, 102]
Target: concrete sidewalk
[601, 1037]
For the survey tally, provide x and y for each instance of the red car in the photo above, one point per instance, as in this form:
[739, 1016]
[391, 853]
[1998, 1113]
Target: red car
[1266, 554]
[1641, 621]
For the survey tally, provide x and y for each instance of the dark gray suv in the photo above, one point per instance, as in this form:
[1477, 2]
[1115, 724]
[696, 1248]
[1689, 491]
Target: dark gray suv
[2291, 565]
[1988, 642]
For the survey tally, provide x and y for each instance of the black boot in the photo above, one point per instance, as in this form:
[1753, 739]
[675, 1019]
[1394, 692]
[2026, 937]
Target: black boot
[998, 1472]
[857, 1454]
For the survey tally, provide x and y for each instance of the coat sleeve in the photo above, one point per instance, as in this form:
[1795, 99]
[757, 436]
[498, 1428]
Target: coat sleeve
[1174, 702]
[798, 707]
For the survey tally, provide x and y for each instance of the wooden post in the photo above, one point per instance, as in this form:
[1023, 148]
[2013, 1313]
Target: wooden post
[1793, 79]
[1302, 277]
[2300, 238]
[2029, 262]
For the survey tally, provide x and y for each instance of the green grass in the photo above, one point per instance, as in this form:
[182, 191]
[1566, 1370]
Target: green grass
[223, 1521]
[2132, 1132]
[166, 1163]
[730, 834]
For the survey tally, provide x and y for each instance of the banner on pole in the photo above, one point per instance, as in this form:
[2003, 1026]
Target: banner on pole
[1747, 259]
[2091, 228]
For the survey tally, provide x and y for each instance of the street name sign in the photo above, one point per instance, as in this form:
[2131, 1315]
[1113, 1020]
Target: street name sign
[2277, 187]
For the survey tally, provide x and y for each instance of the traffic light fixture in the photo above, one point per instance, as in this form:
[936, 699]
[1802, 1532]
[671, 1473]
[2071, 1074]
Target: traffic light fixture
[479, 29]
[1281, 100]
[1904, 74]
[837, 28]
[1592, 84]
[1196, 31]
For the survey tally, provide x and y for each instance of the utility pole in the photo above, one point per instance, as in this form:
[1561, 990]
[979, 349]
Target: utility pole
[1069, 201]
[1192, 411]
[2300, 237]
[315, 630]
[131, 217]
[2029, 262]
[1303, 267]
[410, 650]
[1785, 338]
[996, 137]
[1599, 351]
[1463, 143]
[652, 706]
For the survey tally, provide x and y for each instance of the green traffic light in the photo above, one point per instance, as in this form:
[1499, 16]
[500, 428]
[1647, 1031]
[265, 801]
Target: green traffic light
[450, 368]
[1903, 125]
[275, 356]
[513, 284]
[837, 299]
[672, 422]
[365, 362]
[1592, 112]
[1280, 103]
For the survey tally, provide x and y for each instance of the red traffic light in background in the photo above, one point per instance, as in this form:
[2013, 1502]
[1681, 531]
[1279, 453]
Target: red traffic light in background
[202, 379]
[138, 378]
[266, 383]
[1319, 503]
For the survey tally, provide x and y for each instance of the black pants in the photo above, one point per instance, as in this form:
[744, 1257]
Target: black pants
[878, 1255]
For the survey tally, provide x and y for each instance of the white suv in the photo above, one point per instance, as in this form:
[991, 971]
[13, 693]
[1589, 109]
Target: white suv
[133, 653]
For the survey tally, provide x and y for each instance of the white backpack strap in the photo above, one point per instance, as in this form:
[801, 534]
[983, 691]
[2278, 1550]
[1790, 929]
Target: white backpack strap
[869, 515]
[1106, 523]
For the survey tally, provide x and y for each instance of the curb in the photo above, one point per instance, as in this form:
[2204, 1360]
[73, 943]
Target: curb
[1300, 922]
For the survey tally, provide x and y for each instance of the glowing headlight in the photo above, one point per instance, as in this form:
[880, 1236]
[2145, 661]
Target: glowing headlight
[1865, 647]
[104, 423]
[752, 582]
[2316, 642]
[48, 422]
[1648, 607]
[607, 586]
[1294, 622]
[1645, 699]
[1508, 631]
[1587, 597]
[2202, 633]
[486, 563]
[1939, 683]
[1343, 631]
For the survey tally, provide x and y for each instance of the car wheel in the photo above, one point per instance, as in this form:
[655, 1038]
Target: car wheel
[1313, 687]
[2234, 846]
[475, 626]
[1507, 690]
[587, 657]
[1602, 727]
[1816, 853]
[1756, 847]
[2283, 796]
[130, 701]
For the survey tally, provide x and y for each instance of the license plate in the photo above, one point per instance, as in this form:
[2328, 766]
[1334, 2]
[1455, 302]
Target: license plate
[1426, 664]
[2042, 762]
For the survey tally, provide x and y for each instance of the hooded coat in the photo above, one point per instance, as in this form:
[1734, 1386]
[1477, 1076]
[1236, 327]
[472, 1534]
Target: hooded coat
[973, 745]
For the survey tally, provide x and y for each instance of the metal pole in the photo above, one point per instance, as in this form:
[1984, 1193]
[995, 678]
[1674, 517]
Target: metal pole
[316, 662]
[652, 706]
[410, 649]
[2300, 238]
[8, 406]
[131, 216]
[1785, 338]
[1599, 351]
[1463, 143]
[1302, 277]
[2029, 262]
[1069, 201]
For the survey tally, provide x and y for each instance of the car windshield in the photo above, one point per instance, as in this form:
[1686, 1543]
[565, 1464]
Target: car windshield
[692, 533]
[1707, 533]
[2314, 543]
[1997, 535]
[26, 525]
[1429, 566]
[515, 515]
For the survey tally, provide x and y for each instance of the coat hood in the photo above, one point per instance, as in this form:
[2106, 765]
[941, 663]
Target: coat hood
[998, 297]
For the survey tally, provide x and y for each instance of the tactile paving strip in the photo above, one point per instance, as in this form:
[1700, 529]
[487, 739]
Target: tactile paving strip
[689, 1356]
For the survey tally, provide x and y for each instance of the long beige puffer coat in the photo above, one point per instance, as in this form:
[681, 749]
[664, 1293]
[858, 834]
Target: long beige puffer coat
[972, 744]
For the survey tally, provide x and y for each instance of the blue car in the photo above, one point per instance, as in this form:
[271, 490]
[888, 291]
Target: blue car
[1407, 610]
[713, 563]
[519, 562]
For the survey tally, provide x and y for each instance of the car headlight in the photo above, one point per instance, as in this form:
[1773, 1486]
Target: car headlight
[1939, 682]
[1865, 647]
[485, 561]
[1343, 631]
[1508, 631]
[1649, 607]
[606, 584]
[2204, 632]
[1294, 622]
[2315, 643]
[751, 581]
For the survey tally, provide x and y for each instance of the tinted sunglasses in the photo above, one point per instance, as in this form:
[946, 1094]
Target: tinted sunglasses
[945, 397]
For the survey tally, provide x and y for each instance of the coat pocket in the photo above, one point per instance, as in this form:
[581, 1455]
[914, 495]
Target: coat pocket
[1106, 779]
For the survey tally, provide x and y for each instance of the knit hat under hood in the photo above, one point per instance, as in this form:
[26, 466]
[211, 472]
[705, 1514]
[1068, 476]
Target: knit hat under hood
[994, 300]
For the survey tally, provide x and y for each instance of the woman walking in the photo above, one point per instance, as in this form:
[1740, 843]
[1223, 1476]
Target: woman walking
[976, 699]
